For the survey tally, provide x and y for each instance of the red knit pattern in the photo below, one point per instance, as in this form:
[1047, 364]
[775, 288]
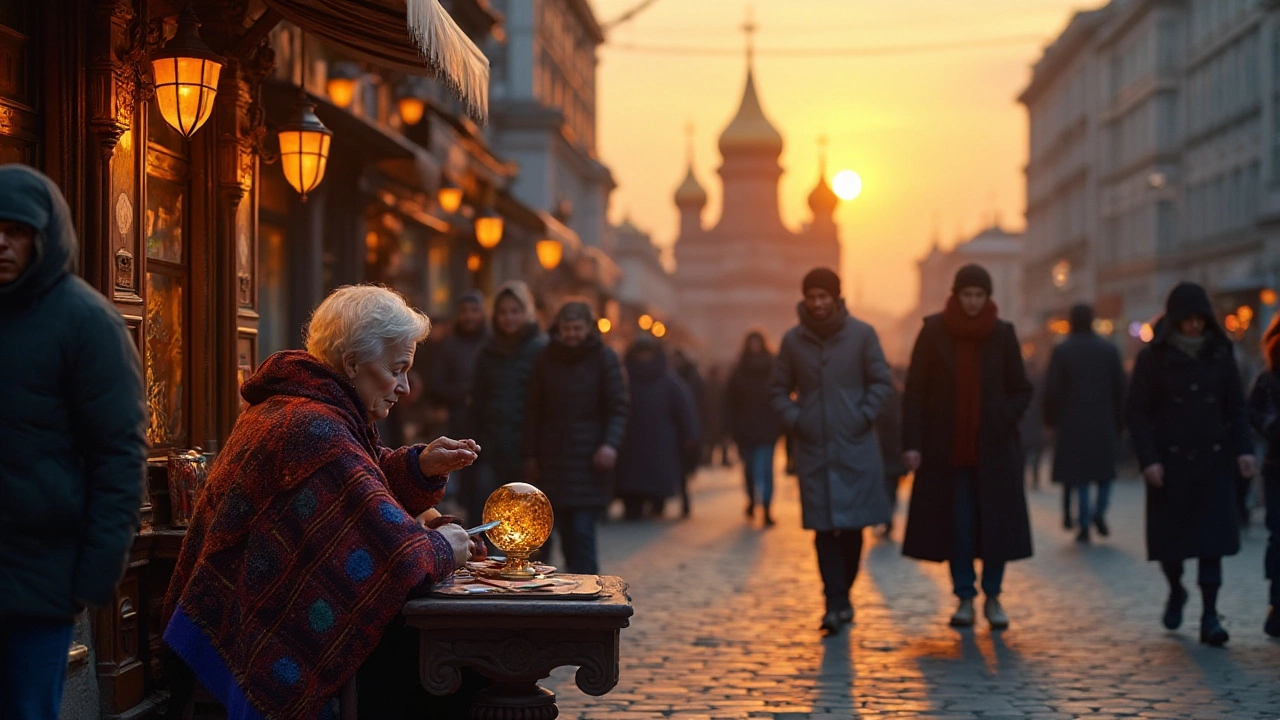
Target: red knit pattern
[969, 334]
[303, 545]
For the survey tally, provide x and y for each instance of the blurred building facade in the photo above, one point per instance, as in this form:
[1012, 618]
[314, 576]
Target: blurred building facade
[1154, 158]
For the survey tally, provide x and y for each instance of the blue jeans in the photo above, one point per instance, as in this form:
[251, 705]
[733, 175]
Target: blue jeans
[758, 463]
[964, 548]
[33, 665]
[1099, 509]
[577, 530]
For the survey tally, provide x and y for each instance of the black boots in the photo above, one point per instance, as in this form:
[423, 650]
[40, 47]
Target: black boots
[1173, 608]
[1272, 626]
[1211, 631]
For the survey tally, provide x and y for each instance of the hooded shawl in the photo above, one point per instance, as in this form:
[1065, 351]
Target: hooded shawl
[302, 548]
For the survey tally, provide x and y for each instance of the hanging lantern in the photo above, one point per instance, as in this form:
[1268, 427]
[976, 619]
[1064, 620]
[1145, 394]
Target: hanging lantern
[412, 102]
[186, 72]
[450, 197]
[489, 230]
[549, 253]
[473, 262]
[304, 148]
[341, 86]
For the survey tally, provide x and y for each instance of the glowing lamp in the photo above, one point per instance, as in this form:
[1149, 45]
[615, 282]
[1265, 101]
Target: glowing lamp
[550, 253]
[186, 72]
[1268, 297]
[604, 325]
[525, 522]
[450, 197]
[473, 262]
[659, 330]
[411, 110]
[489, 230]
[645, 322]
[304, 148]
[341, 86]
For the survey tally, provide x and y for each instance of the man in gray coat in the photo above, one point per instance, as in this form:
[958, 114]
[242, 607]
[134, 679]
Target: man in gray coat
[834, 365]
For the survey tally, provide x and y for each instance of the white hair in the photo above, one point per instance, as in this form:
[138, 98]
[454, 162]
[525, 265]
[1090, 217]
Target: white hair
[364, 320]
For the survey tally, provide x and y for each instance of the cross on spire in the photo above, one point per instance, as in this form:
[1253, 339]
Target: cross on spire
[688, 134]
[750, 28]
[822, 155]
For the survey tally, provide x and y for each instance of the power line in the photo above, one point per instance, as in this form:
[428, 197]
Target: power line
[629, 15]
[864, 51]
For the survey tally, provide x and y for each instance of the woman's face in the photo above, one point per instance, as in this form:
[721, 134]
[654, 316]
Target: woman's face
[972, 300]
[382, 381]
[510, 315]
[573, 332]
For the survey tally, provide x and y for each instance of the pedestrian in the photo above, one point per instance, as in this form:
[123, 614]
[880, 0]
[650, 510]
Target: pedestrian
[889, 434]
[703, 396]
[753, 422]
[966, 392]
[720, 437]
[454, 362]
[1264, 415]
[72, 450]
[833, 364]
[1189, 427]
[1084, 404]
[574, 424]
[499, 392]
[662, 432]
[1031, 429]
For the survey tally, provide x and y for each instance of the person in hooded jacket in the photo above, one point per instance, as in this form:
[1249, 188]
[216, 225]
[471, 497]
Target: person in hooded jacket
[833, 364]
[753, 422]
[575, 420]
[1190, 430]
[73, 448]
[1264, 415]
[499, 391]
[1084, 404]
[453, 362]
[967, 390]
[662, 431]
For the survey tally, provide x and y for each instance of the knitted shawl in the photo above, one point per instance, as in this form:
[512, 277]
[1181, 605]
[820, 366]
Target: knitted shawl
[303, 546]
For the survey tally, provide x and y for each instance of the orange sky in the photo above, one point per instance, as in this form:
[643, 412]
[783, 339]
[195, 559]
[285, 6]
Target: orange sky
[937, 136]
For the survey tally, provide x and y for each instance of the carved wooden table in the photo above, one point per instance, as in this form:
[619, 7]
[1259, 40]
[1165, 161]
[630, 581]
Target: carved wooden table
[515, 642]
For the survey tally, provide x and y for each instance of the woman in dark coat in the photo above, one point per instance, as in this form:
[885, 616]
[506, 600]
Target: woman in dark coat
[1190, 431]
[966, 392]
[1264, 415]
[662, 431]
[499, 393]
[753, 422]
[574, 424]
[1084, 404]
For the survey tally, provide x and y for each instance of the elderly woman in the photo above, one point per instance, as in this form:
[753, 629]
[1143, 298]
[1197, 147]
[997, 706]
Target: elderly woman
[304, 544]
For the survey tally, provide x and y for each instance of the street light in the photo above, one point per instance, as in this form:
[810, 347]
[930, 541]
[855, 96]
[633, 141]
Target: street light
[304, 148]
[489, 229]
[342, 82]
[659, 329]
[186, 72]
[604, 325]
[550, 252]
[473, 262]
[645, 322]
[450, 197]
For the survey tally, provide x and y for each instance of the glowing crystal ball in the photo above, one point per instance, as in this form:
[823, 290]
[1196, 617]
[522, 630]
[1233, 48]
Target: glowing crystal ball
[526, 521]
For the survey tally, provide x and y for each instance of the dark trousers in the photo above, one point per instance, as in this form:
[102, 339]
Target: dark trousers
[33, 666]
[576, 528]
[1099, 508]
[839, 554]
[891, 483]
[1271, 490]
[1208, 573]
[635, 507]
[964, 548]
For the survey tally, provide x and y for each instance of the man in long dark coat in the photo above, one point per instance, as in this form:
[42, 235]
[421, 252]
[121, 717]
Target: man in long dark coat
[966, 392]
[834, 365]
[1190, 429]
[1084, 404]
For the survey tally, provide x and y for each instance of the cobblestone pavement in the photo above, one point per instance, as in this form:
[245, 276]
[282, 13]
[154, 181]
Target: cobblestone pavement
[727, 615]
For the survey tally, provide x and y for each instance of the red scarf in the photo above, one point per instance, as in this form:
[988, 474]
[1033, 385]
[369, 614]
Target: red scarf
[969, 334]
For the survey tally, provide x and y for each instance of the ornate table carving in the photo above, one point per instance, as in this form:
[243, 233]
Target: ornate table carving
[515, 642]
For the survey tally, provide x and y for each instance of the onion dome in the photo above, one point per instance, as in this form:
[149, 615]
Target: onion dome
[750, 130]
[823, 200]
[690, 192]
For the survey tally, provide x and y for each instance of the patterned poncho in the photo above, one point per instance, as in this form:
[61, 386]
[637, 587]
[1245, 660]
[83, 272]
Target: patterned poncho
[302, 548]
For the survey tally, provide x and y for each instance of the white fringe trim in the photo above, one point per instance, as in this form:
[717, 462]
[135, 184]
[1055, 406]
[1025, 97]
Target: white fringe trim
[448, 51]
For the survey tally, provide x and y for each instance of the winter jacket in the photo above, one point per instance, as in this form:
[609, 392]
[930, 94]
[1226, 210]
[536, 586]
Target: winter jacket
[577, 403]
[72, 421]
[1084, 404]
[662, 430]
[453, 362]
[1189, 415]
[1264, 416]
[841, 383]
[748, 405]
[928, 422]
[499, 396]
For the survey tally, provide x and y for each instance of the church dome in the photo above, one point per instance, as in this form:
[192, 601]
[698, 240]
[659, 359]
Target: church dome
[823, 200]
[750, 130]
[690, 191]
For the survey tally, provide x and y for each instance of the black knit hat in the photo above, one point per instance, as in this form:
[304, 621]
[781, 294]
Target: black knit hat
[972, 276]
[1187, 299]
[823, 278]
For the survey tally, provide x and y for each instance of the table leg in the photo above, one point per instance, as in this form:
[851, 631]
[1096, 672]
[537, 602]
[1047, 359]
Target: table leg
[515, 701]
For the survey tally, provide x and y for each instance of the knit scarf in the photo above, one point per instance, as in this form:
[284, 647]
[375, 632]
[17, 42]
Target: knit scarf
[827, 327]
[1192, 346]
[969, 333]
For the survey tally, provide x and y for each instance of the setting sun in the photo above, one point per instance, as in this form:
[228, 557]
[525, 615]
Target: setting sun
[847, 184]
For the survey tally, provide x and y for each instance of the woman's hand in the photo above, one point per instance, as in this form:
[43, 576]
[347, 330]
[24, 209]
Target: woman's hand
[479, 550]
[606, 458]
[445, 455]
[1154, 475]
[427, 516]
[459, 541]
[911, 459]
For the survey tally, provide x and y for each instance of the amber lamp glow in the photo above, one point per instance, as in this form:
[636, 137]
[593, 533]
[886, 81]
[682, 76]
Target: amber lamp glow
[550, 253]
[489, 230]
[450, 197]
[186, 72]
[304, 148]
[473, 262]
[525, 518]
[411, 110]
[341, 85]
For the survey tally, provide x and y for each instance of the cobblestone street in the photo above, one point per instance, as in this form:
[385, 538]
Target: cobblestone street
[727, 615]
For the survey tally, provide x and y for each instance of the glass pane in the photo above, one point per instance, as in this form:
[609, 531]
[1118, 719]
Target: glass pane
[272, 308]
[166, 381]
[164, 219]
